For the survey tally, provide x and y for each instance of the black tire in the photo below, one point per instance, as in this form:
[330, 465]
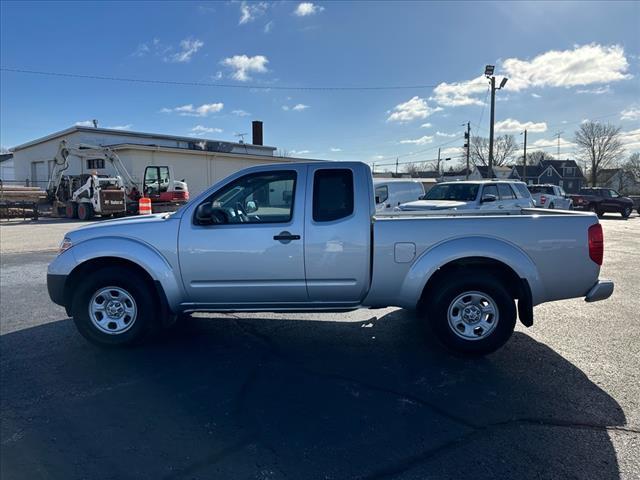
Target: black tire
[594, 208]
[626, 212]
[85, 211]
[71, 210]
[551, 206]
[437, 307]
[133, 284]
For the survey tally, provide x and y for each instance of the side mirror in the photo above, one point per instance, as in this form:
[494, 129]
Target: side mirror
[251, 206]
[204, 214]
[488, 198]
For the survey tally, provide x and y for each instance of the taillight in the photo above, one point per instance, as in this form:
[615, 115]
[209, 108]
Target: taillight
[596, 243]
[542, 199]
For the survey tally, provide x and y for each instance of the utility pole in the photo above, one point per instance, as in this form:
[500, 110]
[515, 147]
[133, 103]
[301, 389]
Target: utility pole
[396, 166]
[524, 162]
[467, 138]
[488, 72]
[558, 136]
[438, 163]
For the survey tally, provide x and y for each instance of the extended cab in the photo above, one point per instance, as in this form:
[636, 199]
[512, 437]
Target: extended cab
[305, 237]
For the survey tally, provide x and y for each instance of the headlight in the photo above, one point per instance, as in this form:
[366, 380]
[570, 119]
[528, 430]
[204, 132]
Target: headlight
[65, 245]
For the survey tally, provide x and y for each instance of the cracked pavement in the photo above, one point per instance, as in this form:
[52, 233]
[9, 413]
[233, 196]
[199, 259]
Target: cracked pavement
[331, 396]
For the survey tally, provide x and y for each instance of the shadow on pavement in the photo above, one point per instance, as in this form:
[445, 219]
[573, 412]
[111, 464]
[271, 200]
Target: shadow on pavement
[262, 398]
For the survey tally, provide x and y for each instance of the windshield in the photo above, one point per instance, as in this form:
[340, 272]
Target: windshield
[463, 192]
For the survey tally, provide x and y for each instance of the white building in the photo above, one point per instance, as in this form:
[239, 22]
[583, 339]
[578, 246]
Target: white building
[7, 170]
[199, 161]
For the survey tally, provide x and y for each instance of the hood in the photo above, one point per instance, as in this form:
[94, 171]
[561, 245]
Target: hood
[432, 205]
[119, 226]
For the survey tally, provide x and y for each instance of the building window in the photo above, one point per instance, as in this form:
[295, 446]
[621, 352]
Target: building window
[568, 172]
[569, 185]
[95, 163]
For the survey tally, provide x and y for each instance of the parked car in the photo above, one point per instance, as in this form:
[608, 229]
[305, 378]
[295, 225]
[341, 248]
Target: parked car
[236, 248]
[550, 196]
[391, 192]
[602, 200]
[470, 195]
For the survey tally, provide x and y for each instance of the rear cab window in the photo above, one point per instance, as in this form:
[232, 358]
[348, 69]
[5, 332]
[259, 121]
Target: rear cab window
[332, 194]
[382, 193]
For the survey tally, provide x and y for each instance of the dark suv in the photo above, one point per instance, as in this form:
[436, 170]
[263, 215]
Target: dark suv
[602, 200]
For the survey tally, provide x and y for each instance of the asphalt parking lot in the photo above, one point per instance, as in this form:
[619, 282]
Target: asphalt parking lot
[359, 395]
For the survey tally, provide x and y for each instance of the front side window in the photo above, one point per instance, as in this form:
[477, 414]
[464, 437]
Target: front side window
[505, 192]
[382, 193]
[332, 194]
[265, 197]
[490, 190]
[523, 190]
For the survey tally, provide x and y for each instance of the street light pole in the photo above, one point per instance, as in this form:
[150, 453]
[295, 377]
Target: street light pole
[488, 72]
[493, 113]
[524, 160]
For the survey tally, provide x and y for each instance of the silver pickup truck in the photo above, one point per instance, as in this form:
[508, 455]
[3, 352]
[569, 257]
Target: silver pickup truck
[305, 237]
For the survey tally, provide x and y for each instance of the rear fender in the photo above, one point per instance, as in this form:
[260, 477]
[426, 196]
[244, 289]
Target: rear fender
[456, 249]
[135, 251]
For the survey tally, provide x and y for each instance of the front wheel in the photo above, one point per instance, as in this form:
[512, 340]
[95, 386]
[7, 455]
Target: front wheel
[471, 314]
[626, 212]
[114, 307]
[85, 211]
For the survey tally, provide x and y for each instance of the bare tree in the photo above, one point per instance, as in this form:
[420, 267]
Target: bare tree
[415, 167]
[633, 165]
[538, 156]
[503, 149]
[600, 144]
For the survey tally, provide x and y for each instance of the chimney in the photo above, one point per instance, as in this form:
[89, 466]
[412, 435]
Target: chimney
[257, 132]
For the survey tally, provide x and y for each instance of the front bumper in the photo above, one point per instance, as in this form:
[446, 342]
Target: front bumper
[600, 291]
[55, 286]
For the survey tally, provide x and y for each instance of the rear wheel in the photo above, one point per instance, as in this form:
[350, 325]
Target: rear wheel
[551, 206]
[114, 307]
[85, 211]
[594, 208]
[71, 210]
[471, 313]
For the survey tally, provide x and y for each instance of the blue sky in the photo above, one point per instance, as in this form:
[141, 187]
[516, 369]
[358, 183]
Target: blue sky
[566, 62]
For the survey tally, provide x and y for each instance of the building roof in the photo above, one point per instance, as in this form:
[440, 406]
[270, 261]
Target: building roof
[484, 170]
[457, 173]
[129, 133]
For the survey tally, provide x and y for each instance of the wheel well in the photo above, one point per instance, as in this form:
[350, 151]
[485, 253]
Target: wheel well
[502, 271]
[90, 266]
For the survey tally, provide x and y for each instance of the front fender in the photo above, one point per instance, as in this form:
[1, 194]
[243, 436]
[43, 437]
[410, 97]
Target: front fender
[135, 251]
[465, 247]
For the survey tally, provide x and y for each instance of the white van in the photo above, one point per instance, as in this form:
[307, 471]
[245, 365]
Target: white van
[391, 192]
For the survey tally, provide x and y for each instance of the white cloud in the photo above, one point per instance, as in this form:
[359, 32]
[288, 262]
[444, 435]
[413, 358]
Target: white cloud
[377, 157]
[461, 93]
[305, 9]
[448, 135]
[335, 149]
[300, 152]
[412, 109]
[426, 125]
[182, 54]
[535, 95]
[596, 91]
[249, 11]
[121, 127]
[632, 113]
[240, 113]
[188, 48]
[242, 65]
[296, 108]
[584, 65]
[451, 152]
[419, 141]
[84, 123]
[191, 111]
[268, 27]
[202, 130]
[514, 126]
[631, 140]
[550, 145]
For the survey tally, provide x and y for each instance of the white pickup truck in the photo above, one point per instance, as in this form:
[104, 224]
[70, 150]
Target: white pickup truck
[305, 237]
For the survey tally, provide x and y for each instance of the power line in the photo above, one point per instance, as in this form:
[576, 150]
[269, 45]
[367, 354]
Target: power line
[209, 84]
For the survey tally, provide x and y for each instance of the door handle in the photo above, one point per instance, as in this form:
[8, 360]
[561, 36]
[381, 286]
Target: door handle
[286, 237]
